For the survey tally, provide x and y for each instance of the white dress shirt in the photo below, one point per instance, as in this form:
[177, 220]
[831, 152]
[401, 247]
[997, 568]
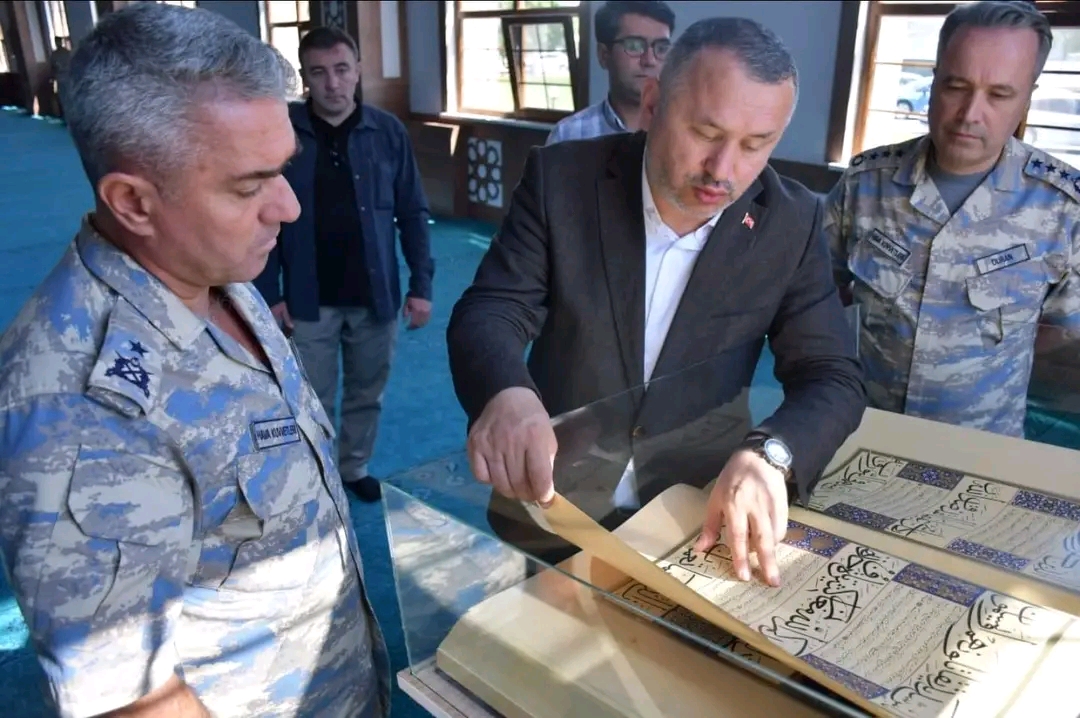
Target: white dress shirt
[669, 260]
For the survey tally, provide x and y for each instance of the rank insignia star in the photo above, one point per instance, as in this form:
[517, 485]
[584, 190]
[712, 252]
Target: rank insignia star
[1037, 164]
[137, 347]
[131, 370]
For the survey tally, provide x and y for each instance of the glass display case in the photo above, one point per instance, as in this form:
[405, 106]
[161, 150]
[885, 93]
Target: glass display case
[506, 622]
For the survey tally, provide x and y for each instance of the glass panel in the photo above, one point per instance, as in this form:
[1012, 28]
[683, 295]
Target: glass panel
[466, 578]
[303, 10]
[483, 5]
[1053, 122]
[485, 77]
[886, 127]
[545, 67]
[281, 11]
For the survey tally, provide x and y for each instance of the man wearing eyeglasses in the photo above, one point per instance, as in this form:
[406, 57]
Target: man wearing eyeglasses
[632, 40]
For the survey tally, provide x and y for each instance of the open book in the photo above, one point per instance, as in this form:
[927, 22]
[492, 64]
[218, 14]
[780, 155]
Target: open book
[921, 589]
[893, 636]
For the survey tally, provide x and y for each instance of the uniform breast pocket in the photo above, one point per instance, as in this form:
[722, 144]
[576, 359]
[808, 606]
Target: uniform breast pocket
[137, 514]
[883, 275]
[1008, 302]
[879, 283]
[274, 525]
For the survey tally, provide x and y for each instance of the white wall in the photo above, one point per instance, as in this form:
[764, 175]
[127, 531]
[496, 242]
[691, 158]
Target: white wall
[810, 29]
[425, 73]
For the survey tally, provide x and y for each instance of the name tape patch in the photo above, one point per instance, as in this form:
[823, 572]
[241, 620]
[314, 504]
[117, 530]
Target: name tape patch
[1004, 258]
[891, 249]
[275, 432]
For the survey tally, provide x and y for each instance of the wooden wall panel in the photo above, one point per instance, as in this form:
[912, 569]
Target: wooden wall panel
[492, 155]
[436, 146]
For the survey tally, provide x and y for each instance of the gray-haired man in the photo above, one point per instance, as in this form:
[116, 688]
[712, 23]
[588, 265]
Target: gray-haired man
[170, 515]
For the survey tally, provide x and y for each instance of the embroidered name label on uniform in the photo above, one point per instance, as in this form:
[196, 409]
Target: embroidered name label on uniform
[1004, 258]
[891, 249]
[274, 432]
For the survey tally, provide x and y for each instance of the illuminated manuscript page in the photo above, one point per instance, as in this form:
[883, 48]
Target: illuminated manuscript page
[1016, 529]
[916, 642]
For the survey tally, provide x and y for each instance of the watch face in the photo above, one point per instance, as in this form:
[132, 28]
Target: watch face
[777, 452]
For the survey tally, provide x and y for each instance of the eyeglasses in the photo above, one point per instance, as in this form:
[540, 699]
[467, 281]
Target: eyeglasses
[635, 46]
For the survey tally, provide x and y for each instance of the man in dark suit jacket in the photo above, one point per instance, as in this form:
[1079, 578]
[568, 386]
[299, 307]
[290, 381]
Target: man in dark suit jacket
[573, 269]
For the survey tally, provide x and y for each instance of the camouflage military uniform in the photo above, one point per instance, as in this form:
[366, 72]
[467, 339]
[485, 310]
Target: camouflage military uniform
[167, 504]
[950, 305]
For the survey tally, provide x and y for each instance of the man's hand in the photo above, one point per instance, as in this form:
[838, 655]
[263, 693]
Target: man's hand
[172, 700]
[417, 311]
[750, 497]
[281, 314]
[512, 446]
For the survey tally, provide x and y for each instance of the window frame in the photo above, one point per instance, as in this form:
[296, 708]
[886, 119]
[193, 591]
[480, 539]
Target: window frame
[5, 62]
[519, 16]
[1060, 13]
[52, 11]
[302, 26]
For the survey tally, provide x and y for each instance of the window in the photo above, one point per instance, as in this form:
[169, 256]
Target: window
[286, 22]
[181, 3]
[56, 21]
[3, 52]
[901, 39]
[515, 58]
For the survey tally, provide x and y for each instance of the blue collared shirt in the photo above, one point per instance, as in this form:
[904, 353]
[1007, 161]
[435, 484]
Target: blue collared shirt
[594, 121]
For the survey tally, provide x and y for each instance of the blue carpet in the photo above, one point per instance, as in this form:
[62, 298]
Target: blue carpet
[43, 195]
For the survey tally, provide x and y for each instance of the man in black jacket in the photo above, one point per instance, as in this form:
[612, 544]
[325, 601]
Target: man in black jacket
[333, 280]
[631, 258]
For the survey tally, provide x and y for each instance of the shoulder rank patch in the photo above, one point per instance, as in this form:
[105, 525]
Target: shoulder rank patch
[887, 156]
[128, 368]
[1054, 172]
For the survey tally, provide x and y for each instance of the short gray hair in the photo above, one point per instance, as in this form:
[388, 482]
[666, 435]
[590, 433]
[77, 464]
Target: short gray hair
[999, 14]
[761, 52]
[134, 81]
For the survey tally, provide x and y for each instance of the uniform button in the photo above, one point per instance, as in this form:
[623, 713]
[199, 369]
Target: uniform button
[638, 432]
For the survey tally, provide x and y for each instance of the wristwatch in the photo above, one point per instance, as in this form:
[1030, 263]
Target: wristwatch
[774, 451]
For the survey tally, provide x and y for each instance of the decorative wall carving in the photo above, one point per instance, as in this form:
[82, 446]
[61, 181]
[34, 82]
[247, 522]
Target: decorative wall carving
[333, 14]
[485, 172]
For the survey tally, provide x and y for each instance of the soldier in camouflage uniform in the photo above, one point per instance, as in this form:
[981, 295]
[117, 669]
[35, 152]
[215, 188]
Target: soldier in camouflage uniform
[958, 243]
[171, 517]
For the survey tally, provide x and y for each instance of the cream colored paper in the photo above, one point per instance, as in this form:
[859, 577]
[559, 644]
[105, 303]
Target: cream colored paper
[553, 646]
[893, 637]
[1020, 530]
